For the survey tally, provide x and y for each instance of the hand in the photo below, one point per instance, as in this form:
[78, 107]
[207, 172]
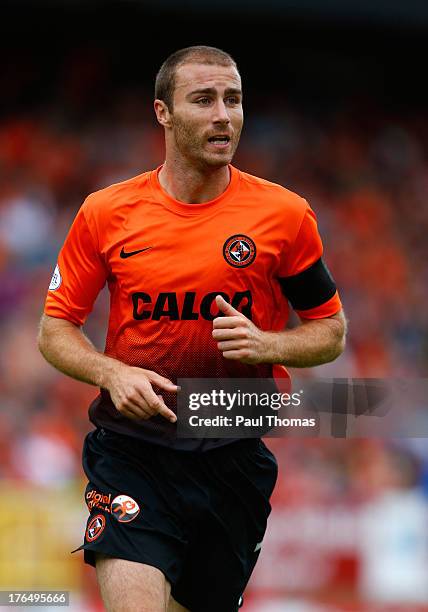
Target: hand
[131, 392]
[237, 337]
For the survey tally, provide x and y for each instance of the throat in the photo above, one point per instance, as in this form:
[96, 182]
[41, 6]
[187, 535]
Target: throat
[191, 186]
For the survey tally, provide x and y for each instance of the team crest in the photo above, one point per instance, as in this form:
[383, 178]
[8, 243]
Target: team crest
[239, 251]
[124, 508]
[95, 528]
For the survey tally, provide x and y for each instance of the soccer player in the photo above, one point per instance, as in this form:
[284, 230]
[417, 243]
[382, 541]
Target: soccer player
[201, 261]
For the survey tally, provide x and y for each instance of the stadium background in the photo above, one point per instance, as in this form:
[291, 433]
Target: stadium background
[335, 104]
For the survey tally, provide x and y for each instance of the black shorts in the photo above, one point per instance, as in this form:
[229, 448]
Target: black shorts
[198, 517]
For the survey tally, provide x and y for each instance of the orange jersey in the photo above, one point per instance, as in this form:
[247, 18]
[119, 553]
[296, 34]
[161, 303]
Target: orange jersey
[165, 261]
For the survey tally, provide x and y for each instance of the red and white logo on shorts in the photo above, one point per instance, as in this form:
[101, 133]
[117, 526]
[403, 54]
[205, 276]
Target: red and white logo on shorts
[124, 508]
[95, 528]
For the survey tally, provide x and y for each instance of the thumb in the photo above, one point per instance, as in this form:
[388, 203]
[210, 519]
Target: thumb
[225, 307]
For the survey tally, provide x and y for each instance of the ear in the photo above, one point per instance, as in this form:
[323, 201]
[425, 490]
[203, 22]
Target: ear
[162, 113]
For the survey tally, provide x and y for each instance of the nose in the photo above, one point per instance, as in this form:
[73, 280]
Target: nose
[220, 113]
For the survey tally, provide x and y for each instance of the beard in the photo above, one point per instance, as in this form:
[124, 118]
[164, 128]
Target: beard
[192, 146]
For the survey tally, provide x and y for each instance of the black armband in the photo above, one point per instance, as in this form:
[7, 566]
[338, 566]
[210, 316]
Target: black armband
[310, 288]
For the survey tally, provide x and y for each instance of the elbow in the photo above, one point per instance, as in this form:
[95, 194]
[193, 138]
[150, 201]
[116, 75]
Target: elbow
[339, 347]
[41, 340]
[338, 329]
[339, 338]
[334, 351]
[342, 345]
[43, 337]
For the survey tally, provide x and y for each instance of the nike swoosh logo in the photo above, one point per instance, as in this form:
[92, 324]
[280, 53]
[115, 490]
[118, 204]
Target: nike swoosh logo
[125, 255]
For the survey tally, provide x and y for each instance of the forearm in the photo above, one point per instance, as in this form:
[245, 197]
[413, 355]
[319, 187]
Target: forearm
[65, 346]
[313, 343]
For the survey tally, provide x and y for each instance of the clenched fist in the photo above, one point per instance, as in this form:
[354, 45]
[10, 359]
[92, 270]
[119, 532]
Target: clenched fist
[237, 337]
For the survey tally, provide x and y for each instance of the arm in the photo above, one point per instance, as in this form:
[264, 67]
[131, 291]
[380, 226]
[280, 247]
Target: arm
[314, 342]
[64, 345]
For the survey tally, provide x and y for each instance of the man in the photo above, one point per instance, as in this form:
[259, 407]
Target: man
[198, 257]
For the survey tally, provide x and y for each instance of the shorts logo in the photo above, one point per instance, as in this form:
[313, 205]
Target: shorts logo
[56, 279]
[124, 508]
[95, 528]
[95, 499]
[239, 251]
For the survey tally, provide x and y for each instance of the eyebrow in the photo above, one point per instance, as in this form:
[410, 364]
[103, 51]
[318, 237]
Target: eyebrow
[210, 90]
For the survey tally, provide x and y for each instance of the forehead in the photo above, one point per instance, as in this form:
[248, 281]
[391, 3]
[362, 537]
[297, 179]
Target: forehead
[201, 76]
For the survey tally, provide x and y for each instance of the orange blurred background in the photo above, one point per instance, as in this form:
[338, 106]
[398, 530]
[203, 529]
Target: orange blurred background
[336, 112]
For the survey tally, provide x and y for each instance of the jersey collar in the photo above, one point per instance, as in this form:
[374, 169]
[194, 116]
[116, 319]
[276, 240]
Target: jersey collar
[193, 209]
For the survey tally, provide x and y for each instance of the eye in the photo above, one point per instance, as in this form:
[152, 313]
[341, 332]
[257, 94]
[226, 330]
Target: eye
[233, 100]
[203, 101]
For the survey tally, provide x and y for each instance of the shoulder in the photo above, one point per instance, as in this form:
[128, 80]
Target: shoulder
[104, 202]
[275, 196]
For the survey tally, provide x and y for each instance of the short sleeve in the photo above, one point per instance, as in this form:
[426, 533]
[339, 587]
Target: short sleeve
[79, 275]
[304, 277]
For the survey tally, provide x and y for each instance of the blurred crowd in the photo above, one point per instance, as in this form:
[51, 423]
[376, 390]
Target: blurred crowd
[364, 172]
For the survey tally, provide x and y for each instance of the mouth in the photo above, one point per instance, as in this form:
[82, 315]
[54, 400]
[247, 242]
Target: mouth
[220, 141]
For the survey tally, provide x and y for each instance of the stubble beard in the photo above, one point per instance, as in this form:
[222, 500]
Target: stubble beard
[191, 148]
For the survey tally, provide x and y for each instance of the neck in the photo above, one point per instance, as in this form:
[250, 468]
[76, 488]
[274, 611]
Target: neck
[192, 185]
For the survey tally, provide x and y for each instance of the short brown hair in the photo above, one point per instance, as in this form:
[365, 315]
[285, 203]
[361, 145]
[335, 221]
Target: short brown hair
[165, 78]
